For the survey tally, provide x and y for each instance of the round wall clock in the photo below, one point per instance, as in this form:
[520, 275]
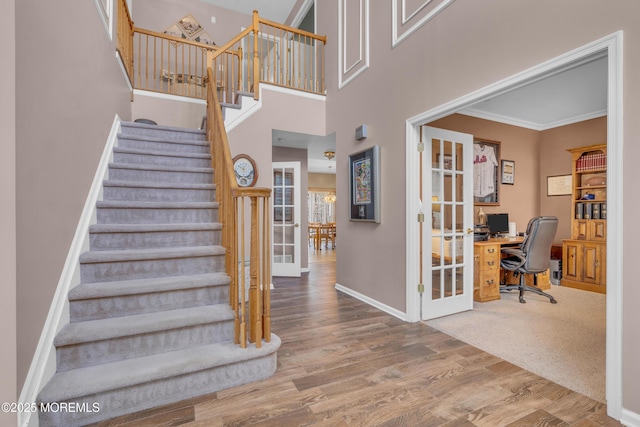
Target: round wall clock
[245, 170]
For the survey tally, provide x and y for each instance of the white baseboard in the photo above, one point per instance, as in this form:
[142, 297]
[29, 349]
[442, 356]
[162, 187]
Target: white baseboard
[374, 303]
[43, 364]
[629, 418]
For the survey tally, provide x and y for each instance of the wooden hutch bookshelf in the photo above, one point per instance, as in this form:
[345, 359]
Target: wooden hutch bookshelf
[584, 255]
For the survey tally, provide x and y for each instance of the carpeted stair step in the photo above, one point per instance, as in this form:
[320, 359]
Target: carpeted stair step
[158, 191]
[162, 132]
[91, 301]
[160, 173]
[145, 382]
[126, 212]
[106, 237]
[155, 144]
[95, 342]
[107, 266]
[151, 157]
[150, 321]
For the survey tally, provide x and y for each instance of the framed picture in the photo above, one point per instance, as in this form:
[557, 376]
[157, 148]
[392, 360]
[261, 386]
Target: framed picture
[364, 188]
[508, 172]
[559, 185]
[175, 31]
[486, 171]
[204, 37]
[447, 161]
[190, 25]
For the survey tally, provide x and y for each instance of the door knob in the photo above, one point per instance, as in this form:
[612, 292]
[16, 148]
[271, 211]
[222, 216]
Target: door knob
[296, 225]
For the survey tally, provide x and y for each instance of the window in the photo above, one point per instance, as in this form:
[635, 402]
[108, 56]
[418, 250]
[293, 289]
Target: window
[322, 206]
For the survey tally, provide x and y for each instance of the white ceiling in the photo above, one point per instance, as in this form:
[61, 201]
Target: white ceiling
[566, 96]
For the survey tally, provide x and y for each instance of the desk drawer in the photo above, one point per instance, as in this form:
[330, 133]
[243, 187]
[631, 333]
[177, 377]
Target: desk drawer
[486, 286]
[489, 258]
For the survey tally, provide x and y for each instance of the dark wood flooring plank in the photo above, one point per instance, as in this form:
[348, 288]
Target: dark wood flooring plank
[343, 363]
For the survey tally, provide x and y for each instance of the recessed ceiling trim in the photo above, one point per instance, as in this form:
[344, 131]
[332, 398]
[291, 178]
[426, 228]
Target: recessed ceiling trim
[530, 125]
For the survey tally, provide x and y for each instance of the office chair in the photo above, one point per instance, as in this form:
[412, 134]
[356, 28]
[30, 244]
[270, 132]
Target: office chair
[532, 257]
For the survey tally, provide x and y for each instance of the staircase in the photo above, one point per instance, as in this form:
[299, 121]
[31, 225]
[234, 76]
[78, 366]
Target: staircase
[150, 321]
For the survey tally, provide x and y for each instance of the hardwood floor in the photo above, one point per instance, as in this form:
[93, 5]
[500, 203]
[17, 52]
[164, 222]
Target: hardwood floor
[345, 363]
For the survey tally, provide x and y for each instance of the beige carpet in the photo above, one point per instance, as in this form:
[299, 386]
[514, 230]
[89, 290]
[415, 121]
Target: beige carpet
[563, 342]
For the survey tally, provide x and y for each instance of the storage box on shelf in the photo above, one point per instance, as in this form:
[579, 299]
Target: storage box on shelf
[584, 255]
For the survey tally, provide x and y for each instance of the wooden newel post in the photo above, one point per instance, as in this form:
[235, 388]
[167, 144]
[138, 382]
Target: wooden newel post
[255, 300]
[266, 264]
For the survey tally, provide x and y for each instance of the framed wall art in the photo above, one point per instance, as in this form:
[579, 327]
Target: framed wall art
[189, 28]
[559, 185]
[486, 172]
[190, 25]
[447, 161]
[364, 185]
[508, 172]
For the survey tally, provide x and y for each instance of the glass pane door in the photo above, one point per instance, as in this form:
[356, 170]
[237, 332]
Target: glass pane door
[286, 219]
[448, 252]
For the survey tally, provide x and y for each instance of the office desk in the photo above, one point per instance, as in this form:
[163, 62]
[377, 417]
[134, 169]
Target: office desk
[488, 274]
[486, 267]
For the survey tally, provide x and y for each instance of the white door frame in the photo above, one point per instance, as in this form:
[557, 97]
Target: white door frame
[612, 45]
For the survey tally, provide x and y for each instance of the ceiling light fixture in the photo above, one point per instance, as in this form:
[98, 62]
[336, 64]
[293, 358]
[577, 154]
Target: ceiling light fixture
[330, 198]
[329, 155]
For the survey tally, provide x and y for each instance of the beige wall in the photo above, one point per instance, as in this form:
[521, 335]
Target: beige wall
[322, 181]
[157, 15]
[8, 332]
[69, 88]
[285, 111]
[168, 112]
[458, 52]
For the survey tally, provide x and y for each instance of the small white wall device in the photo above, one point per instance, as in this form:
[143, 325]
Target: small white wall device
[361, 132]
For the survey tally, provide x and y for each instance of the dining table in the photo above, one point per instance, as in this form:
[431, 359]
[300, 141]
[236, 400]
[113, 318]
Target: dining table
[323, 231]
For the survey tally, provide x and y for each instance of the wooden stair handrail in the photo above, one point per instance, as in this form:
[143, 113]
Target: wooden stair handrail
[231, 200]
[174, 38]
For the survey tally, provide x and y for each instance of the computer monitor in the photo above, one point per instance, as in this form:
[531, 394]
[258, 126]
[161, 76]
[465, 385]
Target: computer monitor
[498, 223]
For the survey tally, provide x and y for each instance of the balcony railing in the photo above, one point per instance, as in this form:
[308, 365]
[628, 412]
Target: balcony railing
[167, 64]
[271, 53]
[264, 52]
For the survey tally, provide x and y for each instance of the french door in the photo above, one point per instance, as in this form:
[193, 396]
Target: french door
[286, 219]
[447, 230]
